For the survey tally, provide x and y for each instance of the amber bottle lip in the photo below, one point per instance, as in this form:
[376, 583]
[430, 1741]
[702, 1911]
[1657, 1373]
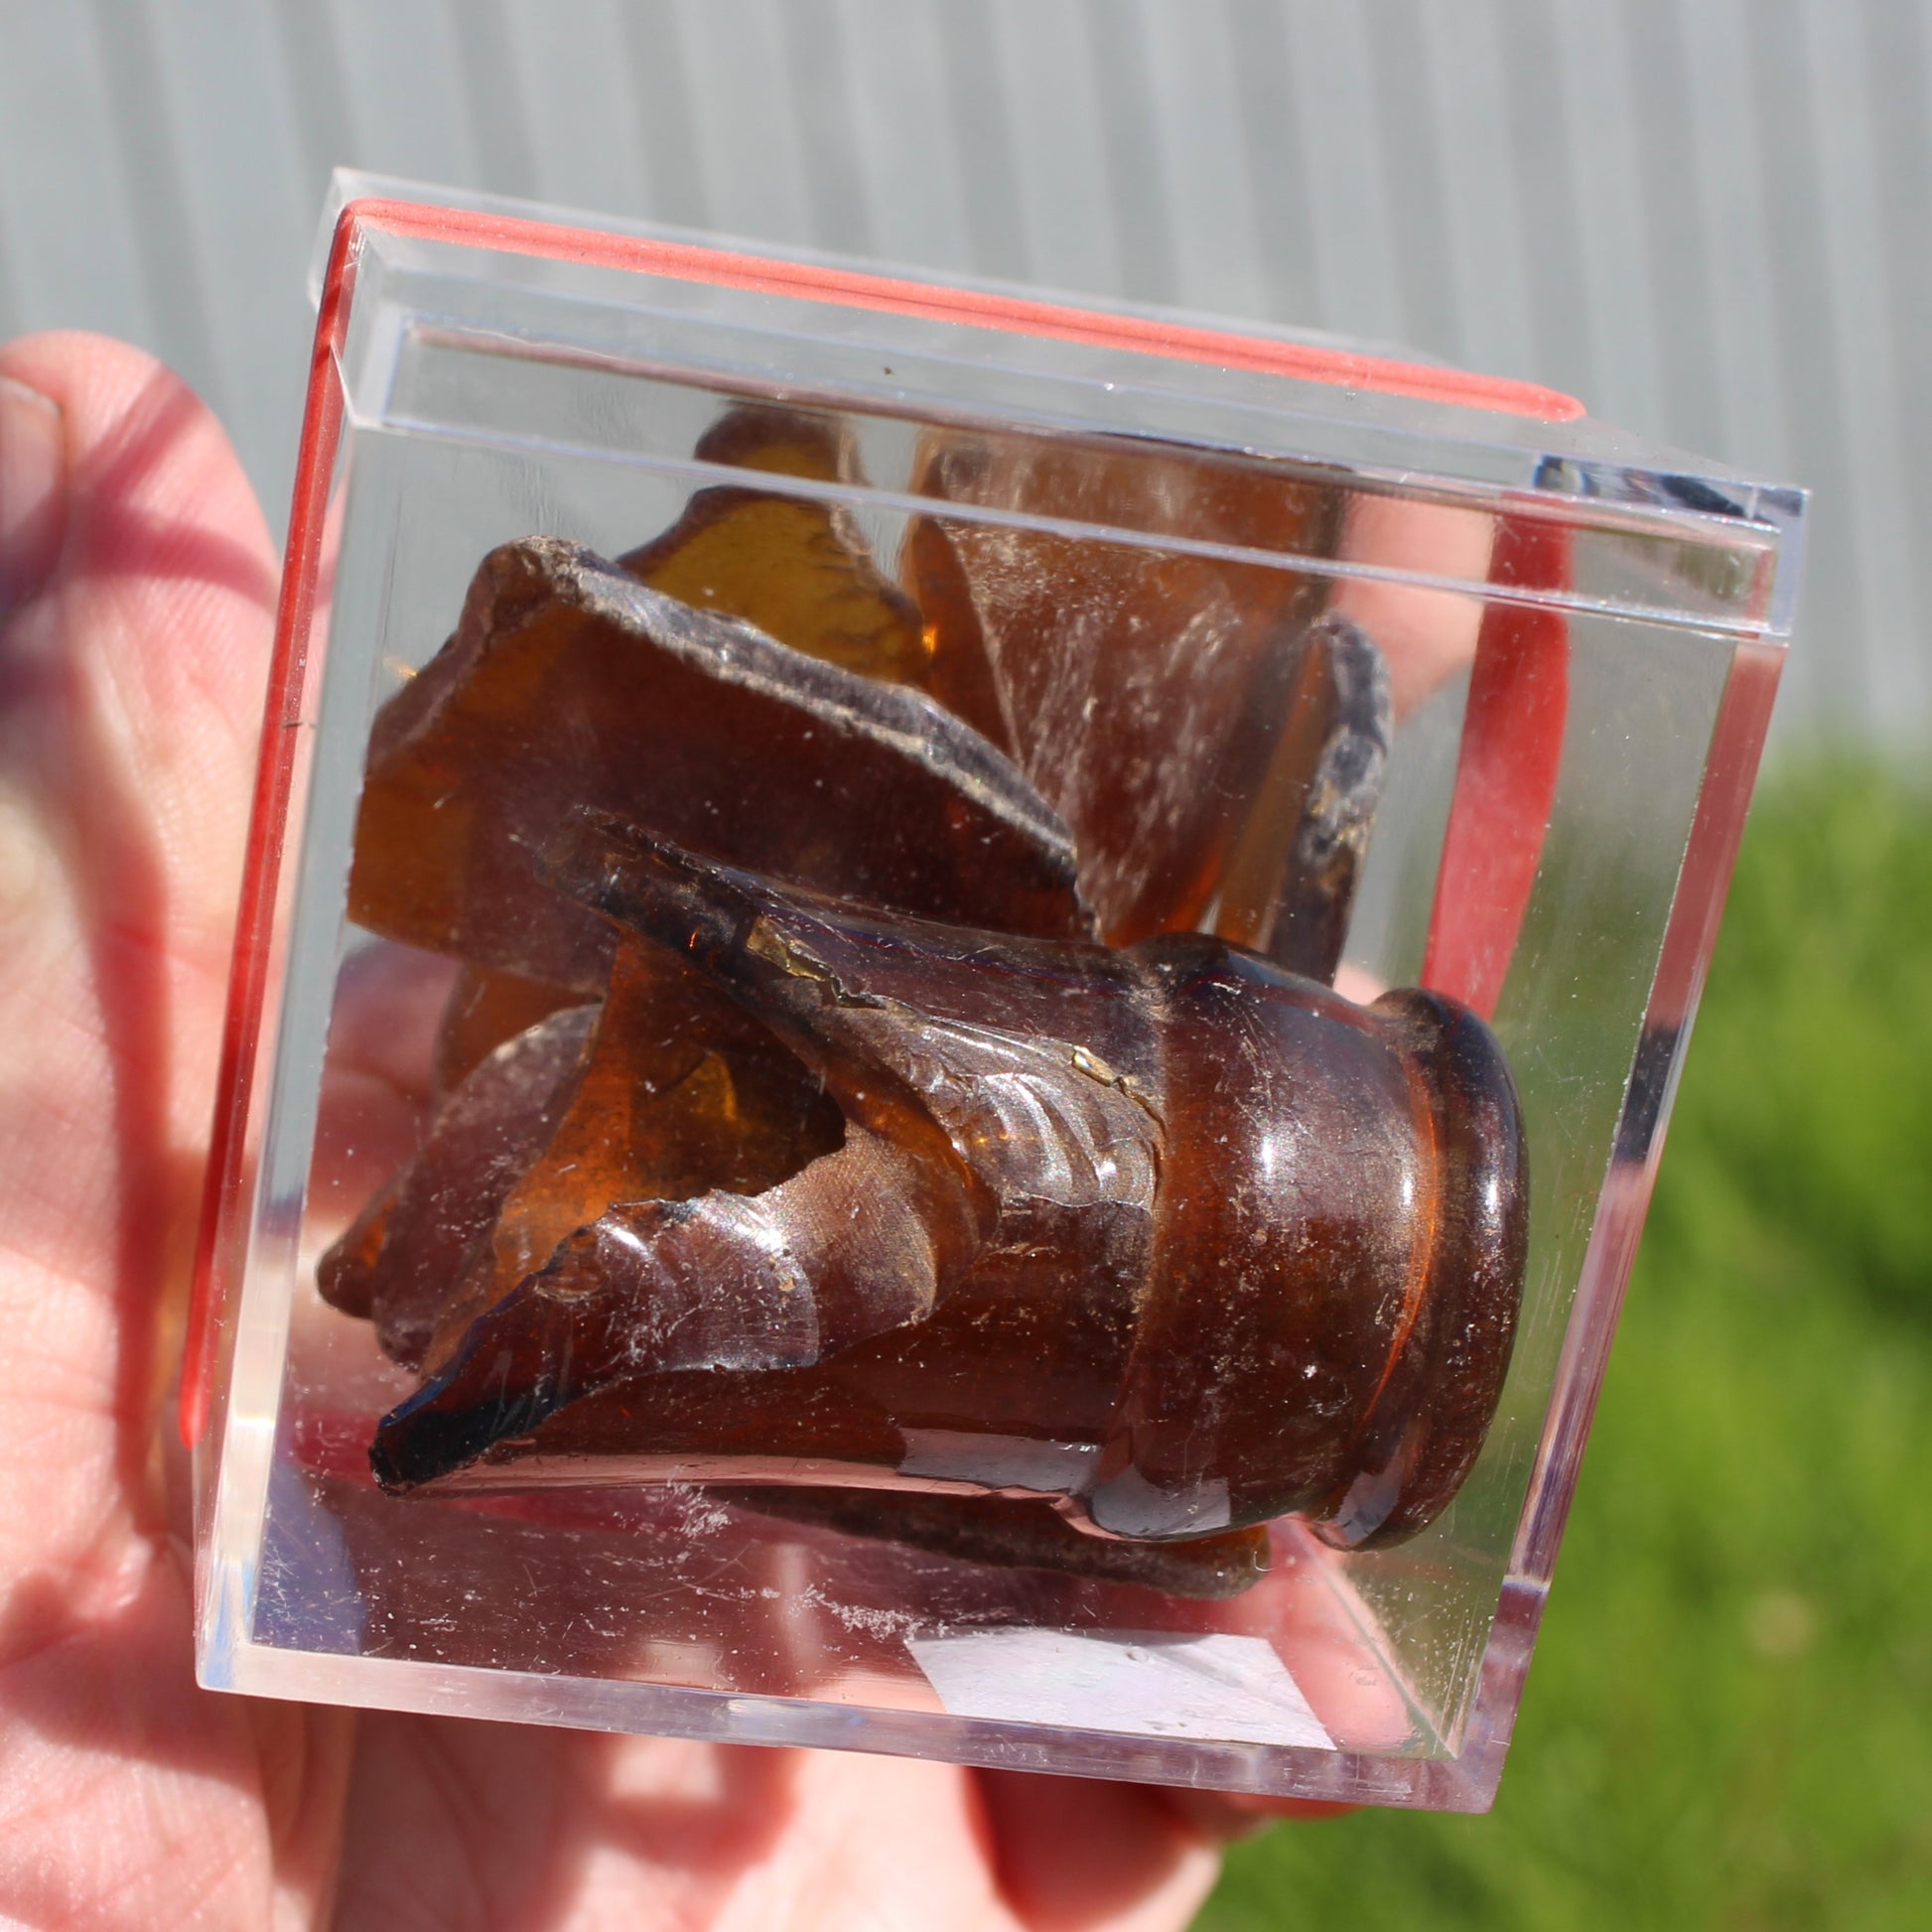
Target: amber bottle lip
[1439, 1393]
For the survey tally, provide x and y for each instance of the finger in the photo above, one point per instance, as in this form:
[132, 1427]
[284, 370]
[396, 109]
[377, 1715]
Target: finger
[1425, 634]
[1078, 1852]
[135, 580]
[1224, 1817]
[544, 1829]
[138, 582]
[378, 1081]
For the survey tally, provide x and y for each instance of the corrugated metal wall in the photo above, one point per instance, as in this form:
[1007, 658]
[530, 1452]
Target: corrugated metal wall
[1711, 218]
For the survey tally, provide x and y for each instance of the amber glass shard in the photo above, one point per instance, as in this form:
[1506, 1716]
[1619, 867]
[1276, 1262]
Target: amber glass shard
[403, 1259]
[914, 1027]
[782, 439]
[568, 683]
[1141, 687]
[1289, 884]
[486, 1007]
[666, 1092]
[750, 1284]
[682, 1092]
[1020, 1533]
[346, 1274]
[1170, 1235]
[796, 567]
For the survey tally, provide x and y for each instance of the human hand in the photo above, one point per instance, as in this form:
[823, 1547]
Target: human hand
[136, 591]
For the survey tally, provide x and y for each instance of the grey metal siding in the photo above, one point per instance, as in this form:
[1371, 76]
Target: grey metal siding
[1711, 218]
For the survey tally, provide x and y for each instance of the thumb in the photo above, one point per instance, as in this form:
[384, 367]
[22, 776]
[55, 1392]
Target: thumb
[136, 585]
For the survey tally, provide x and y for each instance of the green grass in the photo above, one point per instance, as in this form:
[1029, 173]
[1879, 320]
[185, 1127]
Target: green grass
[1728, 1723]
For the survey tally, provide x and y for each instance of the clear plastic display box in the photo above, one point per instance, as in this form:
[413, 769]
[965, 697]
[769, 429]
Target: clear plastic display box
[829, 1135]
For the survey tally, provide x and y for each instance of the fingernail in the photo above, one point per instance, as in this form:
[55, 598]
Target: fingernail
[33, 457]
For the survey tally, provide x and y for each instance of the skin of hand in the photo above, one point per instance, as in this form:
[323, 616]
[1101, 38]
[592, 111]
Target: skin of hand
[137, 583]
[1426, 636]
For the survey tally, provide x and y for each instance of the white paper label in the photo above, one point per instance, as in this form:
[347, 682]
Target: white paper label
[1220, 1689]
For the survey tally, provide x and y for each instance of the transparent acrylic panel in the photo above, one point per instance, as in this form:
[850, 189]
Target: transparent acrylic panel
[1164, 526]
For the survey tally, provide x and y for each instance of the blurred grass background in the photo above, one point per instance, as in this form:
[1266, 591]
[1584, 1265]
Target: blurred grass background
[1728, 1722]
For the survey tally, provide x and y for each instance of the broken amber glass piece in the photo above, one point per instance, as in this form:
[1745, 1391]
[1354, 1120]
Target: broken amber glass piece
[795, 566]
[1142, 686]
[346, 1274]
[823, 1194]
[1165, 1235]
[1017, 1533]
[667, 1091]
[1290, 882]
[488, 1006]
[568, 683]
[400, 1263]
